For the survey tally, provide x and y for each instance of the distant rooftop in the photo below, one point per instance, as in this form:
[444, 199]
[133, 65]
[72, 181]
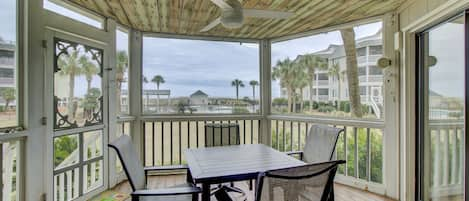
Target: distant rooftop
[198, 93]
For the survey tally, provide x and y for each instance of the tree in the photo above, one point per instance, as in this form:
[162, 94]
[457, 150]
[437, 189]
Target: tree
[90, 102]
[237, 83]
[158, 79]
[89, 69]
[311, 63]
[300, 82]
[8, 94]
[348, 37]
[69, 65]
[334, 71]
[122, 65]
[284, 72]
[253, 84]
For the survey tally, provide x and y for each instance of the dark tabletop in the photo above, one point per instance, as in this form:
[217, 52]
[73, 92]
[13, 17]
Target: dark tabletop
[235, 163]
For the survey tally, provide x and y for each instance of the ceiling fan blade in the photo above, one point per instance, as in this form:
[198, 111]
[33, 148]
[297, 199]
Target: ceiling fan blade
[222, 4]
[266, 14]
[212, 24]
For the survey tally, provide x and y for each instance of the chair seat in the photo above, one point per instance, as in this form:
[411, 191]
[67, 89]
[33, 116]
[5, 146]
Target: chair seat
[171, 197]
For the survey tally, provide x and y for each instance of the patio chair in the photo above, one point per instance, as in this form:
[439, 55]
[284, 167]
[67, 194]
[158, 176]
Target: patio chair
[311, 182]
[320, 144]
[223, 134]
[137, 176]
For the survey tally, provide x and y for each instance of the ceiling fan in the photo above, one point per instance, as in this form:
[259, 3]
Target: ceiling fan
[232, 15]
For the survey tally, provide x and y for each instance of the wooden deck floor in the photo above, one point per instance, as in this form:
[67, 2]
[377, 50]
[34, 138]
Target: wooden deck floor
[343, 193]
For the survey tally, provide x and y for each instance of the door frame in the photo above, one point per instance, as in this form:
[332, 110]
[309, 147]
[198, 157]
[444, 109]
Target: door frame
[50, 34]
[421, 40]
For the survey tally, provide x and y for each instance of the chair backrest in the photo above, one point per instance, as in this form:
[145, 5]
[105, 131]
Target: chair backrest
[320, 143]
[130, 161]
[221, 134]
[311, 182]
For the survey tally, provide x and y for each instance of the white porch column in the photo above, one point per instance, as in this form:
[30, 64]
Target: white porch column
[266, 90]
[135, 88]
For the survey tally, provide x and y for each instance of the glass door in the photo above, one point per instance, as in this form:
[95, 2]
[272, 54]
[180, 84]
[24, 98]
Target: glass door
[441, 111]
[77, 107]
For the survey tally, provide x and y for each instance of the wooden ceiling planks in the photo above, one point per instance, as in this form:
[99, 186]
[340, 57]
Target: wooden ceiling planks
[188, 17]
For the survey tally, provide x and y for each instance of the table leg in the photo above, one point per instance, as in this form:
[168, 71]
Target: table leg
[205, 192]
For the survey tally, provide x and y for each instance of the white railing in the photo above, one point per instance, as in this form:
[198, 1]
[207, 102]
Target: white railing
[361, 145]
[166, 138]
[7, 61]
[375, 78]
[11, 161]
[376, 108]
[66, 174]
[447, 156]
[322, 82]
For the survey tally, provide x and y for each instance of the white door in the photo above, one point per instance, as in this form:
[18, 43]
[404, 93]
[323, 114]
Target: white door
[77, 115]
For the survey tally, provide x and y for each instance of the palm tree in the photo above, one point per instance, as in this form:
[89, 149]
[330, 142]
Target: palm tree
[89, 69]
[69, 65]
[253, 84]
[310, 63]
[334, 71]
[301, 82]
[348, 36]
[284, 72]
[158, 79]
[237, 83]
[122, 65]
[8, 94]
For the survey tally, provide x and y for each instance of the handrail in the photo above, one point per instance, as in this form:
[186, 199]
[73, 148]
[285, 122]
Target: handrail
[200, 117]
[371, 123]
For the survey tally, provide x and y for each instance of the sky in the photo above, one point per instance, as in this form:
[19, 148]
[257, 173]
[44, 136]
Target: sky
[190, 65]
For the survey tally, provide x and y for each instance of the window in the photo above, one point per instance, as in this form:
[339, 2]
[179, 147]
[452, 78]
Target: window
[72, 12]
[183, 76]
[323, 92]
[374, 70]
[8, 64]
[122, 70]
[323, 76]
[361, 71]
[376, 50]
[361, 51]
[296, 63]
[362, 90]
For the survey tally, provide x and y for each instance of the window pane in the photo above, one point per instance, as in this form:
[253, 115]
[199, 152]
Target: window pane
[194, 76]
[122, 71]
[66, 151]
[92, 176]
[8, 92]
[77, 85]
[376, 50]
[310, 74]
[93, 144]
[10, 151]
[73, 13]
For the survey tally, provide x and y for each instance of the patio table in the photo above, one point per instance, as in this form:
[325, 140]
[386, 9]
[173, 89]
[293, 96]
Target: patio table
[217, 165]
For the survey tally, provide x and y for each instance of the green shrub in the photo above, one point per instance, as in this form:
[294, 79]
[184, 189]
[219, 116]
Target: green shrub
[326, 108]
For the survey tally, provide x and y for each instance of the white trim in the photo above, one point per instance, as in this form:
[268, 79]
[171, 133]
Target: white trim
[329, 28]
[199, 37]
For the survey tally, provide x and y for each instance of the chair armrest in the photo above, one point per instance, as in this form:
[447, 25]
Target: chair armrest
[163, 168]
[300, 153]
[167, 191]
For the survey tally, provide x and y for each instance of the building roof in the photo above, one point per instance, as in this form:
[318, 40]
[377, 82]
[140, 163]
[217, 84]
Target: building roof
[199, 93]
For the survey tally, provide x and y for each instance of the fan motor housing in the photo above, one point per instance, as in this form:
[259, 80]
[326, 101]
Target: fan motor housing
[232, 18]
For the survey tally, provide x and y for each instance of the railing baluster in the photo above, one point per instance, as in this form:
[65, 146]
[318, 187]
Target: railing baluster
[197, 132]
[436, 162]
[299, 135]
[153, 139]
[345, 151]
[276, 132]
[252, 131]
[171, 142]
[244, 131]
[188, 135]
[284, 138]
[454, 156]
[180, 142]
[355, 136]
[368, 154]
[145, 145]
[291, 135]
[162, 143]
[445, 156]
